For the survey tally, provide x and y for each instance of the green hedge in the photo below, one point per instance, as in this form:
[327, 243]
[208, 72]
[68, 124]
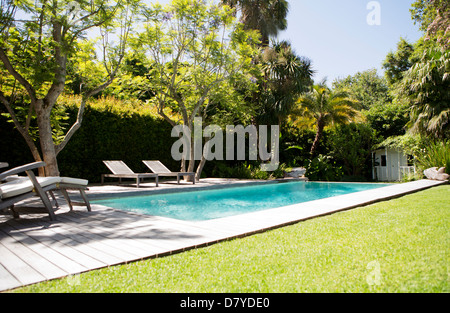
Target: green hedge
[127, 130]
[107, 136]
[104, 135]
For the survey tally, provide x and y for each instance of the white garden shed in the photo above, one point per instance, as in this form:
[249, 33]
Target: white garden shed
[391, 164]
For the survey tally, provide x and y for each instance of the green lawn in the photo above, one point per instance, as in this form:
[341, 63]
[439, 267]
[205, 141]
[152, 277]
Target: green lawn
[400, 245]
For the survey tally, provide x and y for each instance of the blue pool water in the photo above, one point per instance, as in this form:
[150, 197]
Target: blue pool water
[211, 204]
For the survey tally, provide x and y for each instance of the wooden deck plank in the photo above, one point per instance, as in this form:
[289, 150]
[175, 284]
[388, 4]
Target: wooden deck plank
[22, 271]
[45, 267]
[96, 252]
[73, 238]
[157, 234]
[47, 252]
[165, 223]
[140, 231]
[62, 244]
[7, 280]
[96, 242]
[112, 239]
[147, 231]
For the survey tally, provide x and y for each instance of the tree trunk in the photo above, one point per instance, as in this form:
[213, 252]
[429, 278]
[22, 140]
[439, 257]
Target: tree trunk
[46, 139]
[319, 132]
[191, 164]
[203, 160]
[200, 166]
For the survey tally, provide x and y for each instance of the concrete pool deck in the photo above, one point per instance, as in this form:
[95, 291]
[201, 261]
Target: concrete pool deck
[34, 249]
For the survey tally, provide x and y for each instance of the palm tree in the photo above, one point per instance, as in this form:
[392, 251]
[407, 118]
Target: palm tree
[427, 85]
[326, 107]
[286, 76]
[266, 16]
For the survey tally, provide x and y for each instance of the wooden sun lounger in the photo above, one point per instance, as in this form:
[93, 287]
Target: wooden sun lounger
[19, 188]
[120, 170]
[158, 168]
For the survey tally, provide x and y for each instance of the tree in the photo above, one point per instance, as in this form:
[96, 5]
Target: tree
[388, 119]
[197, 54]
[38, 40]
[382, 109]
[325, 107]
[266, 16]
[398, 62]
[351, 144]
[285, 76]
[367, 87]
[426, 85]
[434, 19]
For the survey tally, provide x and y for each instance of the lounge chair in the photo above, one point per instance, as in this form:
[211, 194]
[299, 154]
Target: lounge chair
[18, 188]
[120, 170]
[158, 168]
[70, 183]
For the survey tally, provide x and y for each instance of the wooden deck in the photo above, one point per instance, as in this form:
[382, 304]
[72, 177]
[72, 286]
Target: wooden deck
[35, 249]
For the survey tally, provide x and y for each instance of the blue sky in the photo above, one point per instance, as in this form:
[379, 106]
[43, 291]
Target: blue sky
[335, 35]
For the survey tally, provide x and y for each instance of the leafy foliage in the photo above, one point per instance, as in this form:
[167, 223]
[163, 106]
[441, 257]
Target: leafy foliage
[434, 154]
[114, 129]
[434, 19]
[398, 62]
[266, 16]
[323, 168]
[198, 56]
[351, 145]
[388, 119]
[326, 107]
[427, 86]
[40, 42]
[285, 77]
[366, 87]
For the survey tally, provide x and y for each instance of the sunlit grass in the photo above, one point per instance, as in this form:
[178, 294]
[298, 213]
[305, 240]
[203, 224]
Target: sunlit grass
[400, 245]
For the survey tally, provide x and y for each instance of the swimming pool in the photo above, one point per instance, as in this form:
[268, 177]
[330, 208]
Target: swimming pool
[211, 204]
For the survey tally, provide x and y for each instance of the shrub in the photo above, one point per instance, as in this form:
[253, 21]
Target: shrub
[435, 154]
[323, 168]
[351, 145]
[245, 170]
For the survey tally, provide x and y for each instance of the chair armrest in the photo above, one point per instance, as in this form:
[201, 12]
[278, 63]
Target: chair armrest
[20, 169]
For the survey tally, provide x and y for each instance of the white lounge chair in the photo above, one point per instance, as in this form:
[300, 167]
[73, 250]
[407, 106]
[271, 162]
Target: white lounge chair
[18, 188]
[120, 170]
[158, 168]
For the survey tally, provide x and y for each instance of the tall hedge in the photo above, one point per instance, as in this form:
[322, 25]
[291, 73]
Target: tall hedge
[108, 132]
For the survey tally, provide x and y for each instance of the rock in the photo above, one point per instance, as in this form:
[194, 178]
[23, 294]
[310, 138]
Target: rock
[296, 172]
[436, 174]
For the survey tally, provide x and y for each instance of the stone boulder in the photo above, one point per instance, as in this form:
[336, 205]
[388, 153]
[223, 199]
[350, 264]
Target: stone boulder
[436, 174]
[296, 172]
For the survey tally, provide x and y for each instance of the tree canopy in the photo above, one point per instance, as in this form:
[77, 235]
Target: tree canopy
[326, 107]
[268, 16]
[198, 55]
[218, 61]
[38, 42]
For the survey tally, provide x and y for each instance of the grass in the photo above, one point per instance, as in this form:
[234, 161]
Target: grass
[400, 245]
